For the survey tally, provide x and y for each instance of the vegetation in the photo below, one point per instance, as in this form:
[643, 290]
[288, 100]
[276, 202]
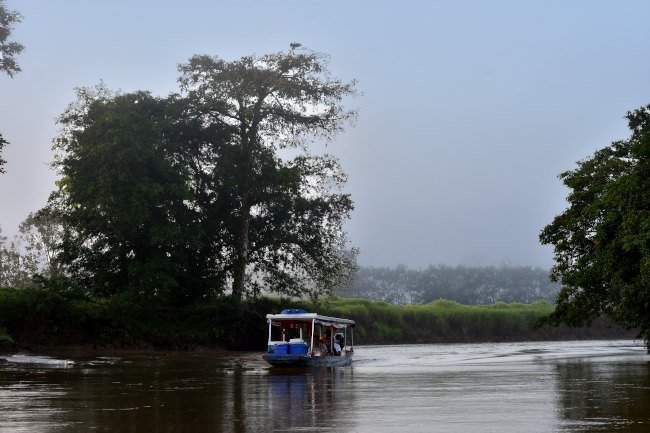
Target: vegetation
[602, 241]
[175, 200]
[285, 222]
[444, 321]
[8, 49]
[31, 254]
[463, 284]
[64, 315]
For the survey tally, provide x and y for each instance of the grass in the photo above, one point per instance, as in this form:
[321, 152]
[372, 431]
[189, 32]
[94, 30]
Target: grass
[36, 318]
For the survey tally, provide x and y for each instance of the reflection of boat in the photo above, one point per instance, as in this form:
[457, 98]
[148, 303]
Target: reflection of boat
[298, 338]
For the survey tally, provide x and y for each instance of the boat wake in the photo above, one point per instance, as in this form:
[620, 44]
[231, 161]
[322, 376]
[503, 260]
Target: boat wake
[40, 361]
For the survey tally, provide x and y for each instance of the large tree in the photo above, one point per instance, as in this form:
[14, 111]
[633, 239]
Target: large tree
[123, 198]
[602, 240]
[188, 195]
[286, 226]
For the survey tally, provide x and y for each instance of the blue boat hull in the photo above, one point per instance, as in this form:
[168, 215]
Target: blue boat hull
[299, 360]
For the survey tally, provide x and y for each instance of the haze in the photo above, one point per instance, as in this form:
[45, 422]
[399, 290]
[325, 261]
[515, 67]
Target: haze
[470, 109]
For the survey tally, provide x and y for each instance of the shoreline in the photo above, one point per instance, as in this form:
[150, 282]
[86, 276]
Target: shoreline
[87, 351]
[81, 351]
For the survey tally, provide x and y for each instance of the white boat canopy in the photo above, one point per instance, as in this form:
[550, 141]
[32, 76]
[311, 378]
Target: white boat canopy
[300, 316]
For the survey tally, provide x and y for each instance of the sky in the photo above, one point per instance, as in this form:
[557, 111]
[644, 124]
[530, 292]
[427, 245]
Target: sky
[469, 109]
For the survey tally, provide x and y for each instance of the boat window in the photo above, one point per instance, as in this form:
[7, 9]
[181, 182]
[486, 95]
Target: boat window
[287, 330]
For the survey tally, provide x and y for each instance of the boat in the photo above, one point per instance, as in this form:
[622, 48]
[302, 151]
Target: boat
[301, 339]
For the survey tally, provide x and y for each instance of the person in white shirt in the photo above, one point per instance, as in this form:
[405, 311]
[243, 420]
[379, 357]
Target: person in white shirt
[337, 348]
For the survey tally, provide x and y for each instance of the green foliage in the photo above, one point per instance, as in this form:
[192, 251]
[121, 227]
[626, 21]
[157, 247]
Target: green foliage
[8, 48]
[30, 254]
[6, 342]
[124, 199]
[287, 216]
[447, 321]
[169, 200]
[602, 241]
[61, 314]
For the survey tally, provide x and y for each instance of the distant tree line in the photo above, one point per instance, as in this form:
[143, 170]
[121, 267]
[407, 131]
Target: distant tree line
[463, 284]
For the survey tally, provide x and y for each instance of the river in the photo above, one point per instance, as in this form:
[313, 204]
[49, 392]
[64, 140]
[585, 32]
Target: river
[586, 386]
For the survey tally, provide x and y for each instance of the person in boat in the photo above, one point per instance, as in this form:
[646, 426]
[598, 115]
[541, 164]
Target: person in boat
[322, 346]
[337, 347]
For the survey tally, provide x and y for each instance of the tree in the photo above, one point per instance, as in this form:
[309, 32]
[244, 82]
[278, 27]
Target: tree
[178, 198]
[30, 253]
[602, 241]
[16, 269]
[8, 49]
[286, 223]
[40, 233]
[123, 198]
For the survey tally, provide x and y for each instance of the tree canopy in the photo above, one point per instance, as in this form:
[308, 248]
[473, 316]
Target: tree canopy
[187, 196]
[602, 240]
[8, 48]
[286, 222]
[123, 197]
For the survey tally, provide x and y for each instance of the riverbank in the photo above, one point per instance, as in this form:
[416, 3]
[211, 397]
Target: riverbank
[45, 321]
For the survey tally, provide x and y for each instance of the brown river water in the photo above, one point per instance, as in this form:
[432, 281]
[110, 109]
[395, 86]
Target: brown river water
[586, 386]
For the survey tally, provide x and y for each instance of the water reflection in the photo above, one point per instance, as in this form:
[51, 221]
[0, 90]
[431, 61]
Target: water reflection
[532, 387]
[604, 397]
[318, 398]
[172, 393]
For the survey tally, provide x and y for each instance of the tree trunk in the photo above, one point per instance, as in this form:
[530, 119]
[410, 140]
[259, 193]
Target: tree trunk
[239, 270]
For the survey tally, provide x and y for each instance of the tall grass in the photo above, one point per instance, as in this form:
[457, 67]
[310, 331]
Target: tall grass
[444, 321]
[36, 318]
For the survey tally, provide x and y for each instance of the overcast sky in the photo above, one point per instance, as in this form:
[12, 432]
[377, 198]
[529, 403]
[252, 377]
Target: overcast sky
[470, 108]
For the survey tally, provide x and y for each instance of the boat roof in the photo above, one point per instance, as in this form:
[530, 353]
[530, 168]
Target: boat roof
[303, 316]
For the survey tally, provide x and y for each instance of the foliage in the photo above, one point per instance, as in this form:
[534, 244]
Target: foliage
[31, 253]
[602, 240]
[286, 229]
[444, 321]
[123, 198]
[16, 268]
[172, 199]
[8, 48]
[61, 313]
[467, 285]
[6, 342]
[39, 234]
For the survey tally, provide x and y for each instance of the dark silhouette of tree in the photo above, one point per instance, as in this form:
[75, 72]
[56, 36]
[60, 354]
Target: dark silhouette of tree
[181, 198]
[276, 101]
[8, 49]
[602, 240]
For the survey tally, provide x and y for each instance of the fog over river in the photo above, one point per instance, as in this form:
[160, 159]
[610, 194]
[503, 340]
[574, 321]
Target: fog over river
[593, 386]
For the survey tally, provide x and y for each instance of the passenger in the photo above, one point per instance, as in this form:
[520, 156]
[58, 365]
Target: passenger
[322, 345]
[337, 348]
